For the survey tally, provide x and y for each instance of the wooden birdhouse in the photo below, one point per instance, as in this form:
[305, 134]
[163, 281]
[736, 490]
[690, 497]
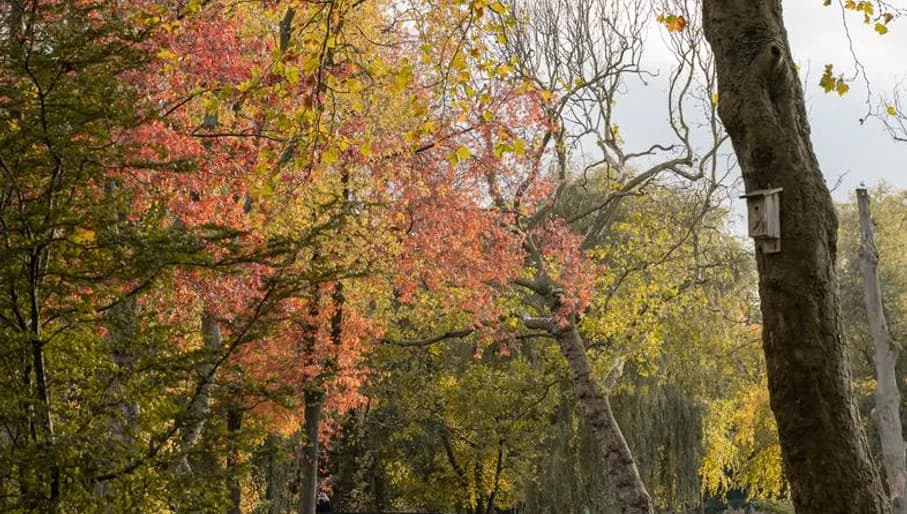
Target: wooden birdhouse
[764, 218]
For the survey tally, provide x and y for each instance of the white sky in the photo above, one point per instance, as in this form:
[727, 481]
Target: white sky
[860, 153]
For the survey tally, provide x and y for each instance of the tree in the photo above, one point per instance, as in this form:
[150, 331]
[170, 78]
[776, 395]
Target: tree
[824, 450]
[887, 411]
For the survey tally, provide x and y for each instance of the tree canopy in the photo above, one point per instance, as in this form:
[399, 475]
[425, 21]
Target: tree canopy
[400, 255]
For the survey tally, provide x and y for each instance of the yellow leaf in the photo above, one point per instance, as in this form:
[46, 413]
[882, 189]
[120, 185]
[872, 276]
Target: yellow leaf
[842, 88]
[715, 98]
[166, 54]
[881, 29]
[292, 74]
[891, 110]
[828, 82]
[404, 77]
[330, 156]
[463, 153]
[82, 235]
[505, 69]
[312, 62]
[498, 7]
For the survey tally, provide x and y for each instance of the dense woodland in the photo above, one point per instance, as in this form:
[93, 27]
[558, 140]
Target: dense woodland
[258, 255]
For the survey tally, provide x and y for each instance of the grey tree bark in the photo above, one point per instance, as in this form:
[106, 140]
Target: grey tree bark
[198, 410]
[886, 414]
[631, 491]
[276, 475]
[824, 450]
[618, 458]
[310, 451]
[121, 339]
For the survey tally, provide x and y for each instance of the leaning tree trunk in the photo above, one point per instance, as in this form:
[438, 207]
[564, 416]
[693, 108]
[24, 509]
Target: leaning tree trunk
[824, 449]
[631, 491]
[887, 414]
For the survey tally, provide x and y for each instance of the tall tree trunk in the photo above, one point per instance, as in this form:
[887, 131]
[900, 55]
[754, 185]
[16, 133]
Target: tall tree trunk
[824, 449]
[43, 433]
[234, 425]
[886, 415]
[631, 491]
[200, 404]
[45, 423]
[310, 450]
[275, 475]
[121, 331]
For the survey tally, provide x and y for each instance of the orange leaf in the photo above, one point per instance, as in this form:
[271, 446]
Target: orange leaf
[675, 23]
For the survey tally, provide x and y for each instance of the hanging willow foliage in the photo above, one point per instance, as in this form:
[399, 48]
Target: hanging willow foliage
[666, 445]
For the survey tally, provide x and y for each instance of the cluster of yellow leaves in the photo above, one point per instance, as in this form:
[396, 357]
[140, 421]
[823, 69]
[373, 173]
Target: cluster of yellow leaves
[741, 446]
[868, 10]
[830, 83]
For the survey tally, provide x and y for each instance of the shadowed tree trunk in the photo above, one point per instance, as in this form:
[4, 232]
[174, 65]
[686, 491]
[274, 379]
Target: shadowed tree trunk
[825, 452]
[275, 475]
[886, 414]
[234, 425]
[310, 450]
[125, 422]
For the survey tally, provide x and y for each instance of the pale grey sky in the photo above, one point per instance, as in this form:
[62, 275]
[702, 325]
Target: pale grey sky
[864, 153]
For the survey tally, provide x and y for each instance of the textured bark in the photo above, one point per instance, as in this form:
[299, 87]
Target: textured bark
[886, 415]
[121, 325]
[631, 491]
[234, 425]
[121, 338]
[824, 449]
[198, 409]
[275, 475]
[310, 450]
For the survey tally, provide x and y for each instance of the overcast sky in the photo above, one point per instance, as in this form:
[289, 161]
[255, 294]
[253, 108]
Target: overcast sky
[860, 153]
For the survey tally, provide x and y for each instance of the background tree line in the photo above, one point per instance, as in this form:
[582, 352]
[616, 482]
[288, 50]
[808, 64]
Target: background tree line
[400, 253]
